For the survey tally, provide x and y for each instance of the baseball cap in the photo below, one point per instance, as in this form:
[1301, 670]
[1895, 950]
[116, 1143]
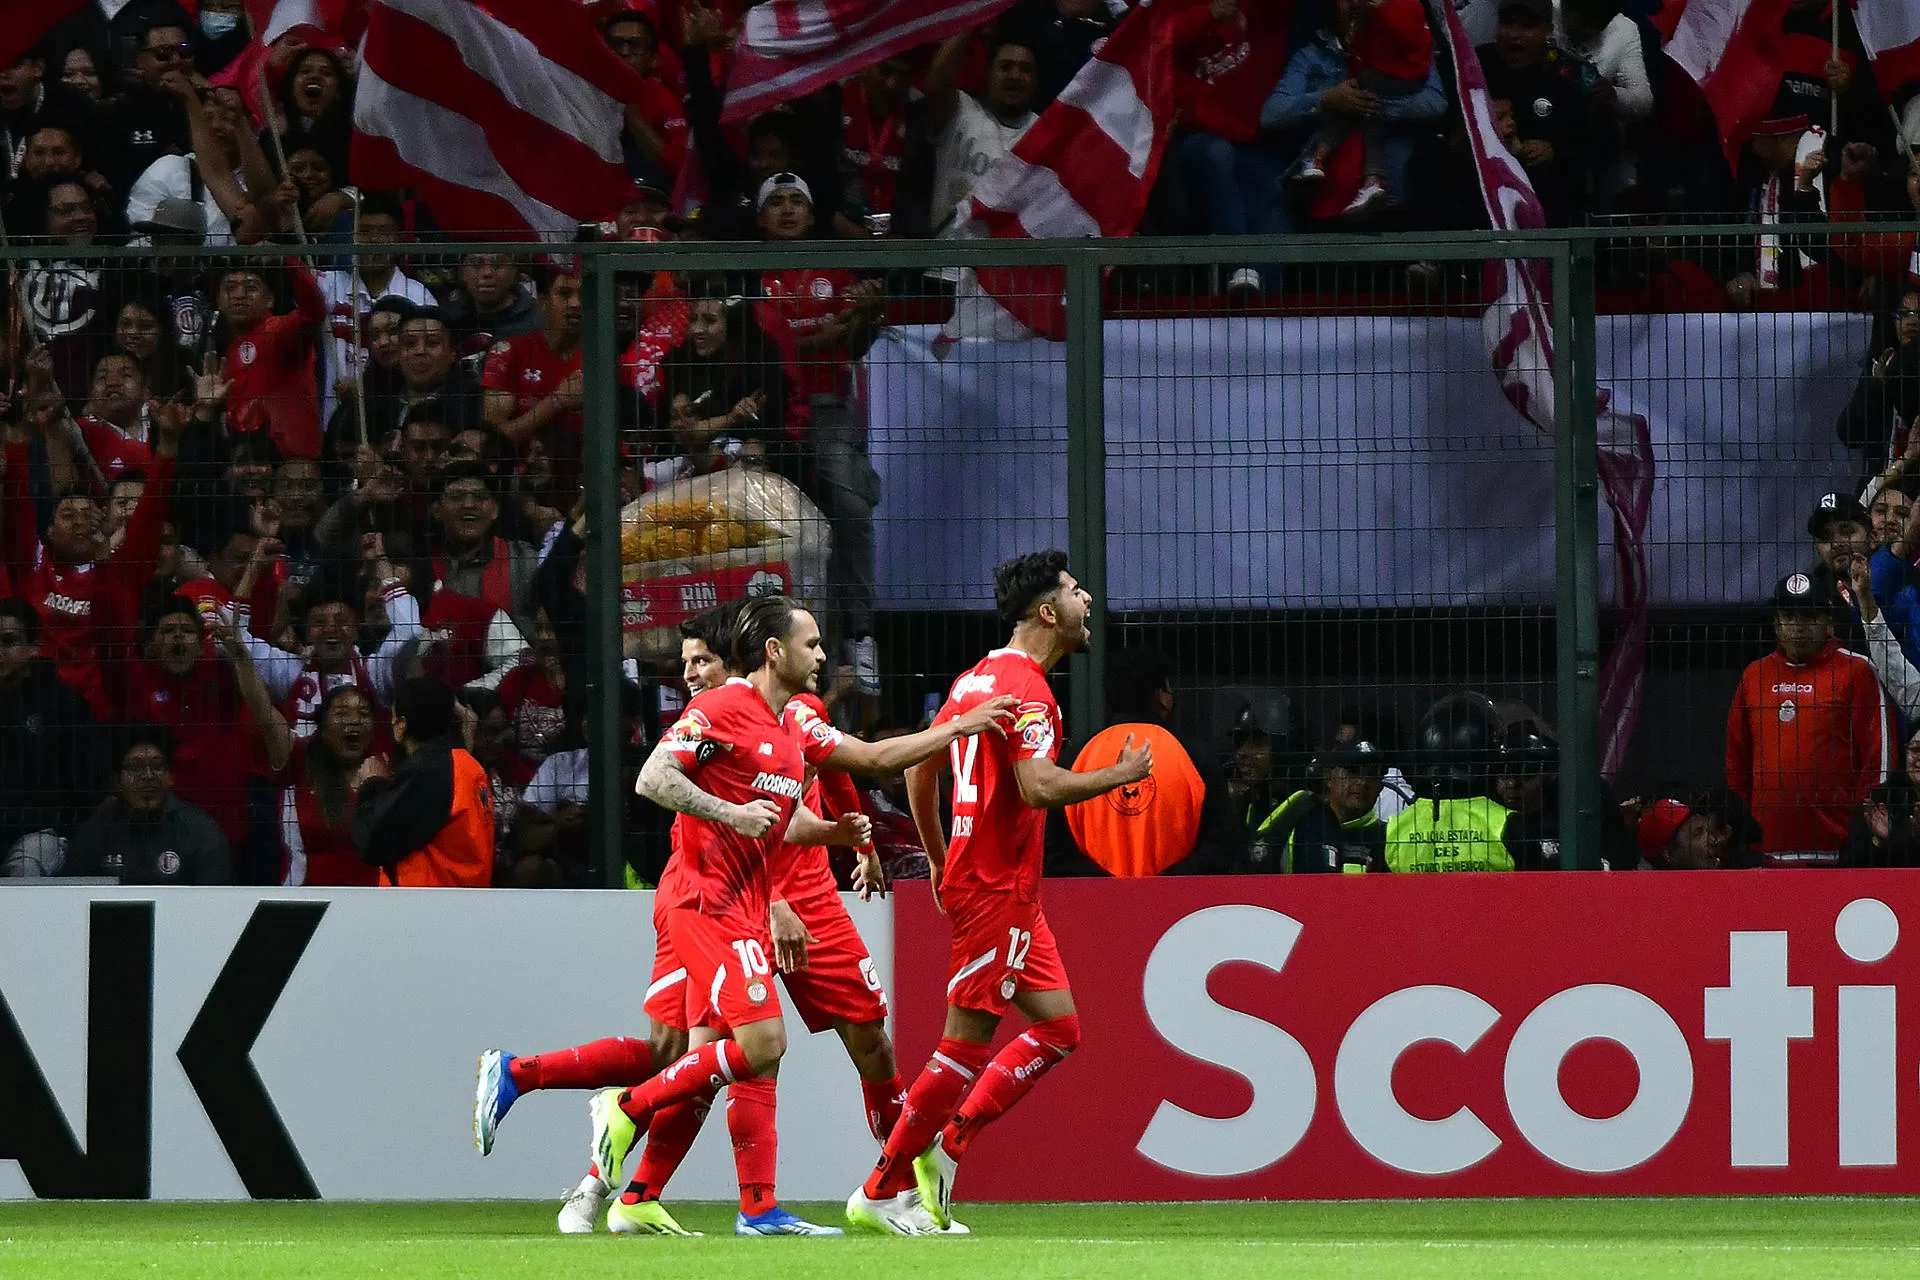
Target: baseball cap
[1658, 823]
[175, 216]
[1833, 507]
[646, 189]
[1782, 126]
[783, 182]
[1805, 591]
[1541, 9]
[1358, 754]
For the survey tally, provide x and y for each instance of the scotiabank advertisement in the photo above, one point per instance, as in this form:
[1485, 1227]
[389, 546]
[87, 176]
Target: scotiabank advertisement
[1320, 1037]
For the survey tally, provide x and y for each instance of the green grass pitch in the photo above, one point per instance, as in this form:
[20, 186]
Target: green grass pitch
[1744, 1239]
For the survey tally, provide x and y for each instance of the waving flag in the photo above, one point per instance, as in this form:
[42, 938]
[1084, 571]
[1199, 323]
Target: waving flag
[506, 116]
[22, 22]
[792, 47]
[1890, 29]
[1518, 329]
[1084, 169]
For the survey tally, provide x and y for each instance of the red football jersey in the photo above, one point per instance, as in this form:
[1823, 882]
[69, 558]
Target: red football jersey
[736, 749]
[998, 839]
[798, 302]
[803, 870]
[532, 370]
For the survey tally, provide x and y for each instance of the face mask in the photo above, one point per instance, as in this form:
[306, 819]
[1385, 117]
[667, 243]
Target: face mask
[217, 25]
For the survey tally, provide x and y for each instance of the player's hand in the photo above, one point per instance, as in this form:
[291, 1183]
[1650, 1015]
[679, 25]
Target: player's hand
[753, 819]
[1134, 763]
[790, 938]
[936, 867]
[854, 830]
[992, 716]
[1880, 822]
[869, 877]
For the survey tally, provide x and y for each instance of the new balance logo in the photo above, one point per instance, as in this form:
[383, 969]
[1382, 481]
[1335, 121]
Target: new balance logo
[766, 748]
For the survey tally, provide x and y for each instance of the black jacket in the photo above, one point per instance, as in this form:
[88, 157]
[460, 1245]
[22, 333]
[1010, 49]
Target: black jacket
[184, 846]
[50, 762]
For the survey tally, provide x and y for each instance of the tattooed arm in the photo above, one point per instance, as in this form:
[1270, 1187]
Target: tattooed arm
[664, 781]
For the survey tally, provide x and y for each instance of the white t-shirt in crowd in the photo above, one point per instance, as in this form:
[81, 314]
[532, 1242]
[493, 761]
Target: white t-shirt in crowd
[562, 776]
[972, 141]
[171, 177]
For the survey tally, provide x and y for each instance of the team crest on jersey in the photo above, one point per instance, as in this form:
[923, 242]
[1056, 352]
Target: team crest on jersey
[1788, 711]
[247, 353]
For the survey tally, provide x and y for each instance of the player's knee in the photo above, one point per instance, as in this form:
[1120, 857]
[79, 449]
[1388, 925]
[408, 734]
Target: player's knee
[870, 1048]
[669, 1045]
[1062, 1034]
[764, 1043]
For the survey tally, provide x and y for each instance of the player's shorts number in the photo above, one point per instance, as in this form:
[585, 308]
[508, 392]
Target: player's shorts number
[1019, 942]
[753, 960]
[964, 789]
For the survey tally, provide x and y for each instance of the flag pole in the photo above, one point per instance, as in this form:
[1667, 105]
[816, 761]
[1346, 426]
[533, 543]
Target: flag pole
[1833, 97]
[359, 350]
[267, 113]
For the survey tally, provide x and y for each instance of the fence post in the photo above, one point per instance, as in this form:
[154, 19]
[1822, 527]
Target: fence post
[1087, 484]
[1577, 550]
[606, 783]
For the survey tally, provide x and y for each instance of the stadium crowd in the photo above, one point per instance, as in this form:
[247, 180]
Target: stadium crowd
[255, 517]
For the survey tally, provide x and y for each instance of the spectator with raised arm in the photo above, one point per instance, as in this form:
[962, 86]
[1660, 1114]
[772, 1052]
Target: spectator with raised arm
[147, 121]
[972, 134]
[323, 777]
[654, 141]
[269, 356]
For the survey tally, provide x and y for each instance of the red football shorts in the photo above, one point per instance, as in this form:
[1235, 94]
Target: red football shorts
[667, 994]
[729, 966]
[1001, 946]
[839, 983]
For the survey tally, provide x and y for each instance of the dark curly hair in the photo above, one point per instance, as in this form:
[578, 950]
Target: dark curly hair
[1022, 583]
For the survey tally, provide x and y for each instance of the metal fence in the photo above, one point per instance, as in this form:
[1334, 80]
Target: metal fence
[1313, 504]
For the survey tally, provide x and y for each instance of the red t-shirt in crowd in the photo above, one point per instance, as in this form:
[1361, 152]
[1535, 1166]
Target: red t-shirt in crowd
[88, 612]
[998, 838]
[872, 148]
[1395, 40]
[733, 747]
[1225, 71]
[216, 745]
[662, 108]
[797, 303]
[271, 369]
[535, 706]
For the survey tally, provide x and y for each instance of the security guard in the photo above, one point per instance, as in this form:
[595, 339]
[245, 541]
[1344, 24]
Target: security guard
[1455, 824]
[431, 822]
[1333, 828]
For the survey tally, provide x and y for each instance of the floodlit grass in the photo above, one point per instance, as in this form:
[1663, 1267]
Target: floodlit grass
[1744, 1239]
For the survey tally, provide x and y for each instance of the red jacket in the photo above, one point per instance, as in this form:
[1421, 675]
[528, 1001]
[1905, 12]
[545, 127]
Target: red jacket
[1224, 72]
[217, 748]
[1805, 744]
[271, 368]
[87, 611]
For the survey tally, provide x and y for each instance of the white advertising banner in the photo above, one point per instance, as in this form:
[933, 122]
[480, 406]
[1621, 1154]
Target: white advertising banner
[1342, 461]
[366, 1043]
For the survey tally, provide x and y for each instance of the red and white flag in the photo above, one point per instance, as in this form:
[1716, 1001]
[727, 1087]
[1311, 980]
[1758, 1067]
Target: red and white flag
[792, 47]
[22, 22]
[1519, 334]
[1734, 50]
[1890, 30]
[506, 117]
[344, 21]
[1084, 169]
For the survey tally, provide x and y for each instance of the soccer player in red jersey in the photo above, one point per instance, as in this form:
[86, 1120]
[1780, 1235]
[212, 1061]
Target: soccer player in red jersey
[988, 882]
[818, 952]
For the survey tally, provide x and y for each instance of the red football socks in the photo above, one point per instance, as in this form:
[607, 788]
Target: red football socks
[929, 1104]
[884, 1099]
[695, 1078]
[670, 1136]
[600, 1064]
[756, 1145]
[1013, 1071]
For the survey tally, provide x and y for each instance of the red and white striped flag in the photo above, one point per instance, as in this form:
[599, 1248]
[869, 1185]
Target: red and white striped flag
[22, 22]
[1519, 334]
[506, 117]
[1084, 169]
[792, 47]
[1734, 50]
[341, 20]
[1890, 29]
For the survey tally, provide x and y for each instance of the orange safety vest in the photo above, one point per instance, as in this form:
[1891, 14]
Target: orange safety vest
[460, 855]
[1145, 827]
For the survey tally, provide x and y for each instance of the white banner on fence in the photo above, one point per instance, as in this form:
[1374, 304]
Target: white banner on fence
[1341, 461]
[367, 1053]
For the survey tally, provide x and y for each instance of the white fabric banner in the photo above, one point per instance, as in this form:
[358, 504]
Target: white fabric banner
[1350, 461]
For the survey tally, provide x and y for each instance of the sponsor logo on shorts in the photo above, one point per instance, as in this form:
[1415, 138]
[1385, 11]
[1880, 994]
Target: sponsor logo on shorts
[757, 991]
